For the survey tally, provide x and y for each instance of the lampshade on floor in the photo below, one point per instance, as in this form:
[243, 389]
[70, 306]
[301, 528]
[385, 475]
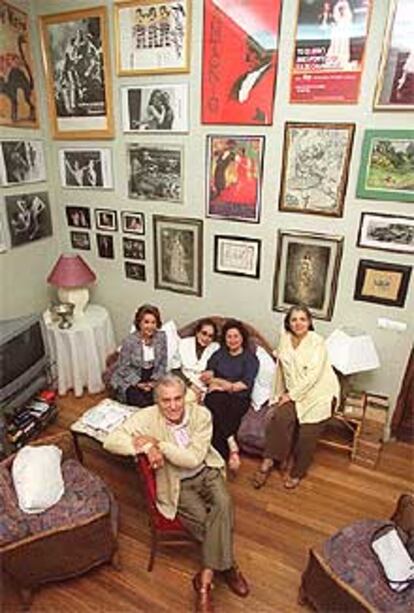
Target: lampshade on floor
[351, 351]
[71, 275]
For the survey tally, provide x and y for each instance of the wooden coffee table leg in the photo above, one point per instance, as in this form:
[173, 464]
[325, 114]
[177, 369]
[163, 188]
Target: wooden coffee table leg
[79, 453]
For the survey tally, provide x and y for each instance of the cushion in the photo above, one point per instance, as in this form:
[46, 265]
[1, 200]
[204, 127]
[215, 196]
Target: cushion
[262, 388]
[37, 477]
[173, 339]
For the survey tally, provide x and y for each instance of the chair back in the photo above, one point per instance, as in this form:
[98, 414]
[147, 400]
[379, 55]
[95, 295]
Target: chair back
[147, 477]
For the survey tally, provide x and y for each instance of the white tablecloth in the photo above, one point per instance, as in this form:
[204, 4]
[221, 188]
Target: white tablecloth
[81, 351]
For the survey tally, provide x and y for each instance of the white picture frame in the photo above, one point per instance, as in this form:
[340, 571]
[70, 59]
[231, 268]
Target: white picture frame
[86, 168]
[161, 107]
[21, 161]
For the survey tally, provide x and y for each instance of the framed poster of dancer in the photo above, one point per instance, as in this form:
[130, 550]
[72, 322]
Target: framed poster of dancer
[22, 161]
[18, 106]
[75, 56]
[28, 217]
[240, 44]
[234, 171]
[85, 168]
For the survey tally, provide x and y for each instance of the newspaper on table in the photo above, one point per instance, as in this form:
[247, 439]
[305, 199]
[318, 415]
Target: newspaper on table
[106, 415]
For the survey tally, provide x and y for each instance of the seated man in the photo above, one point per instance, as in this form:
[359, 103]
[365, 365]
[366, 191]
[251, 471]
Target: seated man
[176, 436]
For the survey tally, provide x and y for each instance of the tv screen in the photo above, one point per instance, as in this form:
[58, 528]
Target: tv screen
[20, 353]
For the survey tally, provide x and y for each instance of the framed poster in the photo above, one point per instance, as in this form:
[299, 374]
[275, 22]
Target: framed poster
[155, 172]
[76, 60]
[18, 105]
[105, 244]
[22, 161]
[387, 165]
[29, 218]
[234, 171]
[133, 248]
[153, 36]
[395, 86]
[237, 256]
[78, 217]
[106, 219]
[382, 283]
[315, 167]
[306, 271]
[178, 253]
[85, 168]
[386, 232]
[80, 240]
[135, 271]
[240, 54]
[155, 108]
[329, 51]
[132, 223]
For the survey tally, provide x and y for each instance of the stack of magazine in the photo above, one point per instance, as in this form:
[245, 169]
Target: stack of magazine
[106, 416]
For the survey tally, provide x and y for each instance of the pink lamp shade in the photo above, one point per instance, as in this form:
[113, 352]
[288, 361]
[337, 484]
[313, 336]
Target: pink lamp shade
[71, 271]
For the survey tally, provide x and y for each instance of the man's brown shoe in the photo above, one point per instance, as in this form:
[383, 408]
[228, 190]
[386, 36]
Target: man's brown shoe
[236, 582]
[204, 601]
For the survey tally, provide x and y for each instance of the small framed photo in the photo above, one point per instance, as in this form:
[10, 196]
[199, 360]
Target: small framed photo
[135, 271]
[22, 161]
[155, 108]
[132, 223]
[152, 37]
[155, 172]
[382, 283]
[85, 168]
[29, 217]
[237, 256]
[78, 217]
[105, 244]
[307, 271]
[386, 232]
[178, 254]
[80, 240]
[106, 219]
[133, 248]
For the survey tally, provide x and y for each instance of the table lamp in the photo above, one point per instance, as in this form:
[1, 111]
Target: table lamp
[71, 274]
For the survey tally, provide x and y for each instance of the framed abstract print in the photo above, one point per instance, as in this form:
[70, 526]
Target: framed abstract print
[306, 271]
[152, 36]
[234, 172]
[240, 54]
[382, 283]
[395, 86]
[386, 232]
[18, 105]
[155, 172]
[155, 108]
[178, 253]
[387, 166]
[85, 168]
[21, 161]
[76, 60]
[234, 255]
[329, 51]
[315, 167]
[29, 217]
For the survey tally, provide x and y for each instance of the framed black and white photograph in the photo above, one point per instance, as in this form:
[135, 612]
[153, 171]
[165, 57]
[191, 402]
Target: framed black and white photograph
[106, 219]
[386, 232]
[155, 172]
[306, 271]
[155, 108]
[178, 254]
[105, 244]
[85, 168]
[382, 283]
[21, 161]
[29, 218]
[80, 240]
[132, 222]
[133, 248]
[135, 271]
[237, 256]
[78, 217]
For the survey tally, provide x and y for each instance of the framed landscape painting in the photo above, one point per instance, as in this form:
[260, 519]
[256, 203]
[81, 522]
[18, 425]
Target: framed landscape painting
[387, 165]
[22, 161]
[382, 283]
[234, 255]
[155, 172]
[155, 108]
[386, 232]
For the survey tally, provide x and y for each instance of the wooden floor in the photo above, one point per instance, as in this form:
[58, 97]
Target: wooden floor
[274, 530]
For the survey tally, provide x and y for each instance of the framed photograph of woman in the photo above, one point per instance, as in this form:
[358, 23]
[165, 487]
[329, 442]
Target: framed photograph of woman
[234, 255]
[21, 161]
[132, 222]
[133, 248]
[382, 283]
[234, 177]
[152, 36]
[105, 244]
[18, 104]
[386, 232]
[386, 171]
[29, 217]
[306, 271]
[395, 86]
[78, 217]
[178, 254]
[155, 172]
[80, 240]
[85, 168]
[75, 56]
[155, 108]
[106, 219]
[315, 167]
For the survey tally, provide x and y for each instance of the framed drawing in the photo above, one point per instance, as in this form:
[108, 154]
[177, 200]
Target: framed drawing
[106, 220]
[315, 167]
[135, 271]
[21, 161]
[306, 271]
[105, 244]
[240, 54]
[234, 171]
[80, 240]
[395, 86]
[78, 217]
[387, 165]
[85, 168]
[155, 108]
[76, 60]
[386, 232]
[18, 105]
[329, 51]
[29, 218]
[132, 223]
[155, 172]
[382, 283]
[237, 256]
[133, 248]
[178, 253]
[152, 36]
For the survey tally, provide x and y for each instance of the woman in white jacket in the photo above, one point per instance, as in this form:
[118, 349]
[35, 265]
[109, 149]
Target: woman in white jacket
[195, 351]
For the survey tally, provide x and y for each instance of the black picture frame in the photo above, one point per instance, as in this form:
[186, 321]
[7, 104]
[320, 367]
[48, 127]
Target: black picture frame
[237, 256]
[106, 220]
[375, 280]
[132, 222]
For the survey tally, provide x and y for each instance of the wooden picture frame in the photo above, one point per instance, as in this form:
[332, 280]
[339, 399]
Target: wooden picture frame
[315, 167]
[178, 254]
[75, 53]
[386, 232]
[306, 271]
[382, 283]
[152, 37]
[158, 108]
[22, 161]
[106, 220]
[155, 172]
[132, 222]
[236, 255]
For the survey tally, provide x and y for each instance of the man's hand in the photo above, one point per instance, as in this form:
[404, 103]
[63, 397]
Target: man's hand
[140, 440]
[155, 458]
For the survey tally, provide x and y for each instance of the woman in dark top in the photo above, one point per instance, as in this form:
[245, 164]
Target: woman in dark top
[230, 376]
